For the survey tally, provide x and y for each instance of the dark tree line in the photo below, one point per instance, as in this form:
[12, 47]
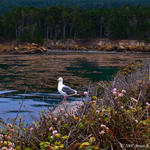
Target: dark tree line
[57, 22]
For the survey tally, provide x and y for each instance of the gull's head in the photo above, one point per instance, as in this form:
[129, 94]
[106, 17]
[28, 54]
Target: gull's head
[60, 79]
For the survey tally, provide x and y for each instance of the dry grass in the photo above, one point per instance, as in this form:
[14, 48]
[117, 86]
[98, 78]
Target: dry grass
[5, 47]
[134, 78]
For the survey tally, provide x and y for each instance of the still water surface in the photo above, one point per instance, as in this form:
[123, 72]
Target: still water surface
[30, 80]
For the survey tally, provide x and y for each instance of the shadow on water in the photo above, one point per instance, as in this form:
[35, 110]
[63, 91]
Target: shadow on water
[91, 70]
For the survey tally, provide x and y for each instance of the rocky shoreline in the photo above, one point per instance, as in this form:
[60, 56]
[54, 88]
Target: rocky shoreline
[105, 45]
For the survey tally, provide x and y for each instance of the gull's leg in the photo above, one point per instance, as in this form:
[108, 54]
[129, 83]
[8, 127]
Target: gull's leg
[65, 99]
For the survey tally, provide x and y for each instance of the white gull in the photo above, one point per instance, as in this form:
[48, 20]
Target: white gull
[65, 90]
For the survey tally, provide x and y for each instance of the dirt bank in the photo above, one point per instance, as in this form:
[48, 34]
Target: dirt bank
[98, 44]
[92, 44]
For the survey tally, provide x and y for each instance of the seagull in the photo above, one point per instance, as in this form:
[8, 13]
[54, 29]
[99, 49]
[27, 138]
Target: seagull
[65, 90]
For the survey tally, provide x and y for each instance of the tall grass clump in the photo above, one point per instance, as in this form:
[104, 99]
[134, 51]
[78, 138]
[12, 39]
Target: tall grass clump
[115, 116]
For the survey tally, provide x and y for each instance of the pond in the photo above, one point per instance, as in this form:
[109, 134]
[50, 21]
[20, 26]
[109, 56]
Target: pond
[29, 82]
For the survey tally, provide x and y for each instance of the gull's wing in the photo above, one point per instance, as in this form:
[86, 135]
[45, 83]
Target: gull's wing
[68, 90]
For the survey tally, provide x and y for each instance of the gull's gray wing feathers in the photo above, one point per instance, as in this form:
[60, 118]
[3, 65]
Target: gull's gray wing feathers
[68, 90]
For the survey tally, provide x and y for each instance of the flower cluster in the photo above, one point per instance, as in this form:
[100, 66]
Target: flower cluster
[118, 94]
[5, 141]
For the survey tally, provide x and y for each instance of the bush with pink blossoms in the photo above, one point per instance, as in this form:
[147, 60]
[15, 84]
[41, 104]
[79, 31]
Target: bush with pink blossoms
[116, 115]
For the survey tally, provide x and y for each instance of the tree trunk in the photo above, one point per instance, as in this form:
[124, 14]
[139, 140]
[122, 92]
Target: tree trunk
[75, 34]
[47, 32]
[71, 29]
[56, 33]
[51, 34]
[16, 30]
[101, 27]
[64, 30]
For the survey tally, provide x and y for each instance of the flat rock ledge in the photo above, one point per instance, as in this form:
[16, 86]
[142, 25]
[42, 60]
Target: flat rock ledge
[67, 108]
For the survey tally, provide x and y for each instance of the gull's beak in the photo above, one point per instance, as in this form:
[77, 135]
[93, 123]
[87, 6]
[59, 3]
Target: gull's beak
[58, 80]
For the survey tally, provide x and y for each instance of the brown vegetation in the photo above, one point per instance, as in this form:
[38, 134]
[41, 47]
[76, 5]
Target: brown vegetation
[19, 48]
[98, 44]
[92, 44]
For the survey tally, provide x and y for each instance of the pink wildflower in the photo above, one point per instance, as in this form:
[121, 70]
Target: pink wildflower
[114, 93]
[121, 107]
[62, 109]
[104, 126]
[51, 137]
[66, 115]
[12, 130]
[31, 129]
[94, 102]
[85, 93]
[4, 148]
[114, 89]
[9, 125]
[51, 128]
[120, 94]
[97, 111]
[1, 135]
[123, 91]
[54, 132]
[10, 144]
[147, 104]
[55, 118]
[102, 132]
[134, 100]
[8, 137]
[116, 98]
[131, 107]
[136, 121]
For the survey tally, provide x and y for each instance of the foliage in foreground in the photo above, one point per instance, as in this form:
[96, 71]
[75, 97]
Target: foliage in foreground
[122, 124]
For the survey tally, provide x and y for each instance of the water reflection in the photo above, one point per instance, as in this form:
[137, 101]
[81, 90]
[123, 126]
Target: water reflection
[92, 70]
[31, 79]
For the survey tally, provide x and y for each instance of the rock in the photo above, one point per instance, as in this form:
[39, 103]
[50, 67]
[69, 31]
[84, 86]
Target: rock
[34, 44]
[29, 49]
[121, 47]
[69, 108]
[16, 48]
[82, 48]
[108, 47]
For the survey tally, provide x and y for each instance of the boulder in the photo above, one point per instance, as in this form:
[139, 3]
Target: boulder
[29, 48]
[67, 108]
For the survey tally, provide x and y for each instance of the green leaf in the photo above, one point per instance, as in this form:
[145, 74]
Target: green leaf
[44, 144]
[65, 125]
[84, 144]
[92, 139]
[65, 137]
[28, 148]
[17, 148]
[81, 125]
[88, 148]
